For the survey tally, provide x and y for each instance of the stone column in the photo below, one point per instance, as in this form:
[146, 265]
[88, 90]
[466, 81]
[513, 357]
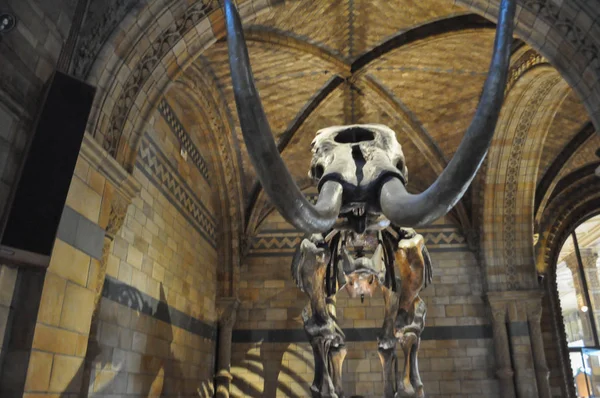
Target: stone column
[504, 370]
[227, 314]
[534, 316]
[116, 217]
[523, 334]
[589, 258]
[119, 191]
[573, 265]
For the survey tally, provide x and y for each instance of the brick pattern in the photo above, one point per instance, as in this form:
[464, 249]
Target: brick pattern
[167, 40]
[450, 368]
[270, 300]
[142, 356]
[184, 138]
[158, 169]
[511, 176]
[158, 253]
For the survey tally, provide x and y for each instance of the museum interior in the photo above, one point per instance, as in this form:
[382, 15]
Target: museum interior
[158, 266]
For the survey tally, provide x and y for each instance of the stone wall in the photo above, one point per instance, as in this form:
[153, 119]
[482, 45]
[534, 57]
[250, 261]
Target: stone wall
[270, 349]
[29, 56]
[157, 319]
[127, 305]
[8, 279]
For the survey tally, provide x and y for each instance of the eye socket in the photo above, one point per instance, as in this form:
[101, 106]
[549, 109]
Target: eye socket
[354, 135]
[317, 171]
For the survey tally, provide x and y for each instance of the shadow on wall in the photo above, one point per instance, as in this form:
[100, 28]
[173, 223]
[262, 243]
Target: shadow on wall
[270, 370]
[273, 369]
[153, 371]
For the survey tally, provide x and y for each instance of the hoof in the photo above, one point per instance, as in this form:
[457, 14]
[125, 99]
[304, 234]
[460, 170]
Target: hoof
[409, 391]
[420, 392]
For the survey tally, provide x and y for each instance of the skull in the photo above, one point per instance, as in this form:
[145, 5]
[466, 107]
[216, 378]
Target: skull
[360, 157]
[363, 275]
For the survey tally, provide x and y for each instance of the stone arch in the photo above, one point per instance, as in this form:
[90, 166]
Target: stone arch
[197, 89]
[172, 36]
[510, 177]
[579, 201]
[566, 34]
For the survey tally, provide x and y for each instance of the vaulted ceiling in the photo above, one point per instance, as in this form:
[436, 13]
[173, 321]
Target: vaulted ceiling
[418, 68]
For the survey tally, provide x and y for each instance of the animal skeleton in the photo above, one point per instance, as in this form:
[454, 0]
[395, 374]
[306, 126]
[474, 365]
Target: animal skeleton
[363, 206]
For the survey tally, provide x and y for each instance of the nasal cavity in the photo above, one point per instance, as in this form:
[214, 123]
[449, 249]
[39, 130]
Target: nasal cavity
[354, 135]
[359, 161]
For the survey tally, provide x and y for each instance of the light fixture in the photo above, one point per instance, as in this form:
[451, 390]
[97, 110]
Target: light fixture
[584, 308]
[7, 22]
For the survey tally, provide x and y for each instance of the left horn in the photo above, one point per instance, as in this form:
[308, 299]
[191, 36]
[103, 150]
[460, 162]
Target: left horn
[407, 210]
[270, 168]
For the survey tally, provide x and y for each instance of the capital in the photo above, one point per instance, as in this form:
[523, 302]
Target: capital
[227, 309]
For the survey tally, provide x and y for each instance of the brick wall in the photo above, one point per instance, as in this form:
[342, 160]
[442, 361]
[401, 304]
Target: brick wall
[8, 278]
[29, 55]
[154, 329]
[271, 352]
[157, 318]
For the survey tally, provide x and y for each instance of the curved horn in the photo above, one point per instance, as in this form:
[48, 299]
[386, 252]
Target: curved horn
[405, 209]
[272, 172]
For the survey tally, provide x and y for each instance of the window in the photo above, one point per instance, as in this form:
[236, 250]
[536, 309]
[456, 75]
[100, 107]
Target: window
[578, 280]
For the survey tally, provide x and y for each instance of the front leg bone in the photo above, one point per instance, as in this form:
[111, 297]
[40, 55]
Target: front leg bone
[386, 344]
[412, 311]
[325, 336]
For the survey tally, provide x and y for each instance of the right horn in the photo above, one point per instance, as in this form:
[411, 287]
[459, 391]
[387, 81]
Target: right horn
[408, 210]
[272, 173]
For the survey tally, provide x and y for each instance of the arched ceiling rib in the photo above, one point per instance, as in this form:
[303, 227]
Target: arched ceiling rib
[418, 68]
[355, 77]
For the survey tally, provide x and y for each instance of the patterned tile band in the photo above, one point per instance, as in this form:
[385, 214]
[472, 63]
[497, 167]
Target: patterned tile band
[183, 137]
[283, 243]
[155, 165]
[518, 329]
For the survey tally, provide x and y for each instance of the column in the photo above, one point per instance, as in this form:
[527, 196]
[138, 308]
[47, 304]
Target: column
[504, 370]
[116, 217]
[227, 314]
[573, 265]
[534, 315]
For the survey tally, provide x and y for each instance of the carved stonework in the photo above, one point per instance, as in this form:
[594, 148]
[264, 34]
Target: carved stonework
[144, 68]
[101, 20]
[229, 187]
[555, 15]
[525, 62]
[504, 369]
[118, 210]
[227, 312]
[511, 190]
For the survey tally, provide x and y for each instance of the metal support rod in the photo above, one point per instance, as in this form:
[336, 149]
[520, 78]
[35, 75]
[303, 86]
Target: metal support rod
[585, 288]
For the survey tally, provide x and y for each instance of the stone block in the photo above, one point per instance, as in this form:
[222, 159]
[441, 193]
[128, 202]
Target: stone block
[77, 309]
[51, 303]
[135, 257]
[109, 334]
[38, 372]
[66, 374]
[51, 339]
[275, 314]
[69, 263]
[84, 200]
